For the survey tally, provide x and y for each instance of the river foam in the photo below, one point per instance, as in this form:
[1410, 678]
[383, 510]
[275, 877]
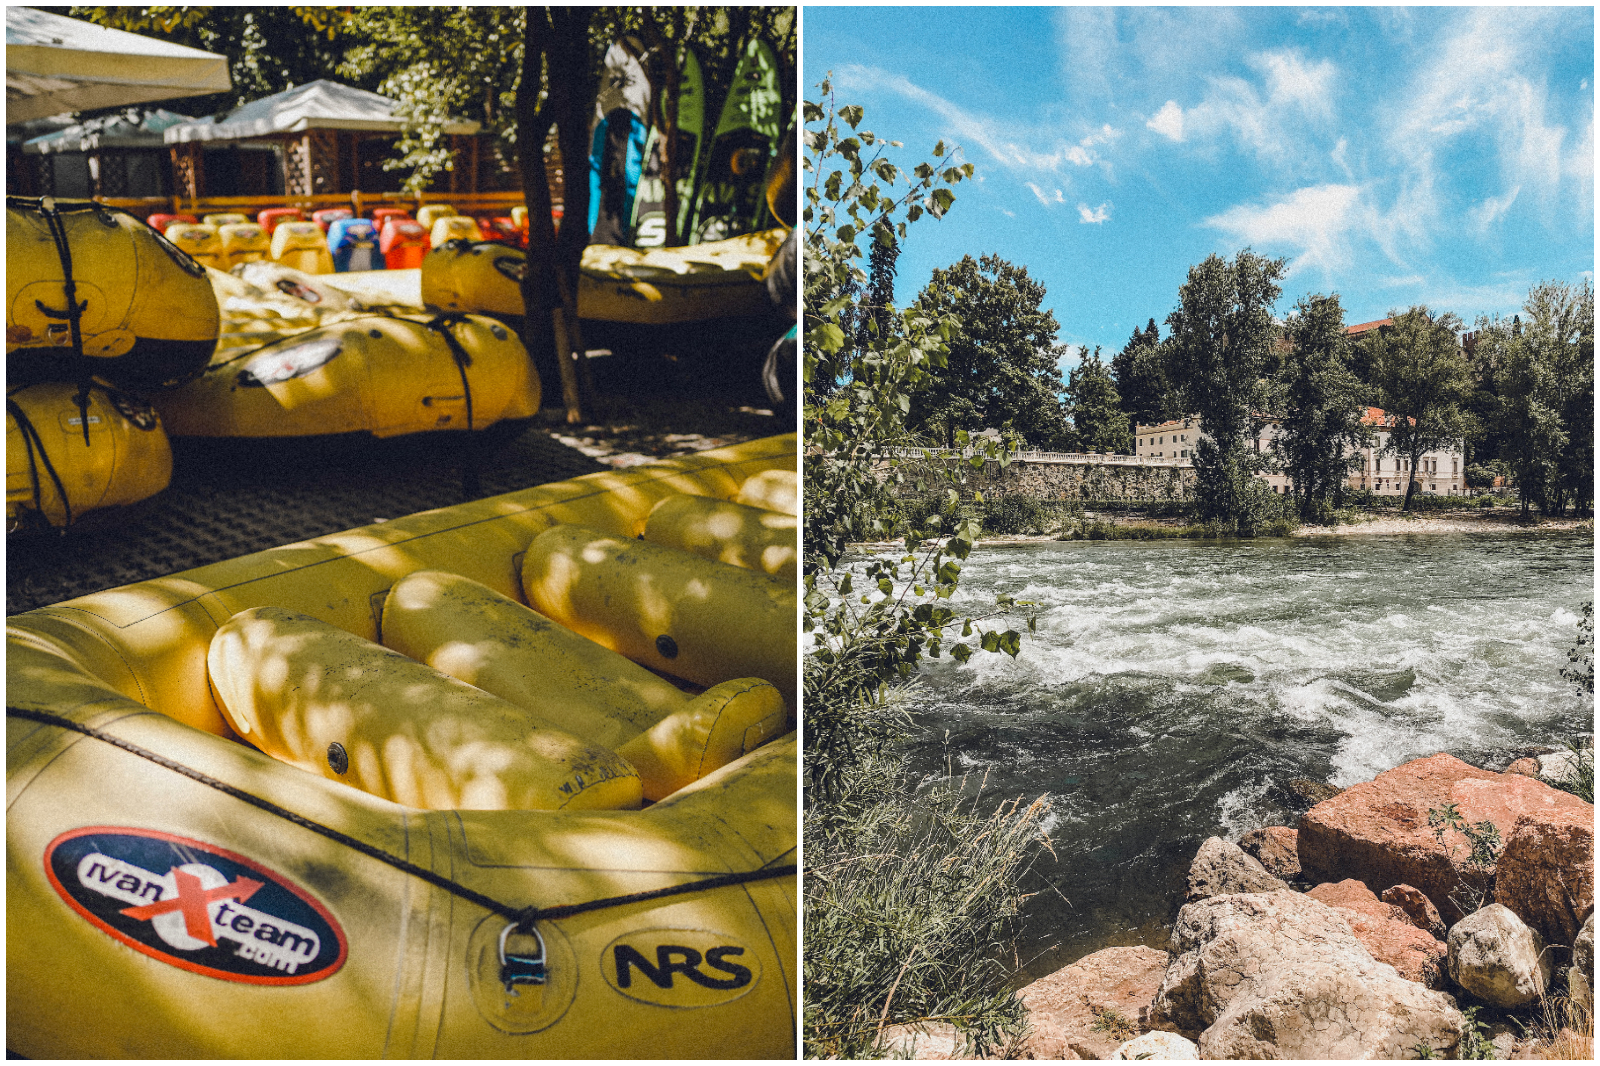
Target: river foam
[1169, 688]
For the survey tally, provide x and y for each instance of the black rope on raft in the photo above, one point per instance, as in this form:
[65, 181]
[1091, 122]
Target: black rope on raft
[31, 441]
[74, 311]
[524, 917]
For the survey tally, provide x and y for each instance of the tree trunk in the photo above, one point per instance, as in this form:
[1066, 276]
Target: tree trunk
[557, 46]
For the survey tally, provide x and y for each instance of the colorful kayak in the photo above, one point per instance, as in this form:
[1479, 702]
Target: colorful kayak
[649, 224]
[173, 892]
[729, 198]
[617, 135]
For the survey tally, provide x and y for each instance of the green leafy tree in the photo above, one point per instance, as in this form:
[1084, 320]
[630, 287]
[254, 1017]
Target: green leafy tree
[1321, 405]
[1002, 370]
[889, 937]
[1140, 373]
[1217, 354]
[1097, 416]
[1422, 382]
[269, 48]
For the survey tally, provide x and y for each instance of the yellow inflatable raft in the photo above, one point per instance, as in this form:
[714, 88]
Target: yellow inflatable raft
[93, 291]
[173, 892]
[645, 285]
[298, 357]
[56, 473]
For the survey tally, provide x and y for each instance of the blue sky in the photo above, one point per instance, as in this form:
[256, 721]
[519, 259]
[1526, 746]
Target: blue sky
[1393, 155]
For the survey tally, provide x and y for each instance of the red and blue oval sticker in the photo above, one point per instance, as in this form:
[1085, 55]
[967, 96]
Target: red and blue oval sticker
[195, 905]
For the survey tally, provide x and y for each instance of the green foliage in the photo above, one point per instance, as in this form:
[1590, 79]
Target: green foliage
[910, 901]
[1483, 851]
[1543, 410]
[269, 48]
[1113, 1024]
[1001, 370]
[1322, 408]
[1140, 373]
[1421, 381]
[1219, 350]
[1580, 659]
[1474, 1037]
[1097, 417]
[1016, 514]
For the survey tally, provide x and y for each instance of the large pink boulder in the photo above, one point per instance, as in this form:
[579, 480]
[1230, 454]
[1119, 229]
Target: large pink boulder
[1546, 872]
[1274, 848]
[1088, 1009]
[1378, 831]
[1386, 931]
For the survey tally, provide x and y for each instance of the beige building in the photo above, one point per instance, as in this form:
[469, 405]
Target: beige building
[1438, 473]
[1168, 440]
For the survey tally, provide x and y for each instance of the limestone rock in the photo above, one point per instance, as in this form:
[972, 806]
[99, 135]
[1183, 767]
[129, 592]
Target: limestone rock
[1419, 909]
[1559, 767]
[1221, 868]
[1378, 832]
[1546, 872]
[1497, 958]
[1528, 767]
[1580, 975]
[1157, 1045]
[922, 1040]
[1386, 931]
[1274, 848]
[1281, 975]
[1085, 1010]
[1583, 947]
[1323, 1010]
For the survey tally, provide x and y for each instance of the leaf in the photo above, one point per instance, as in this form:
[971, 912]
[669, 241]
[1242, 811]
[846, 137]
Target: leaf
[851, 113]
[990, 641]
[828, 337]
[961, 653]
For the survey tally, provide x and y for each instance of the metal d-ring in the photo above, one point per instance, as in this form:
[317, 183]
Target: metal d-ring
[521, 969]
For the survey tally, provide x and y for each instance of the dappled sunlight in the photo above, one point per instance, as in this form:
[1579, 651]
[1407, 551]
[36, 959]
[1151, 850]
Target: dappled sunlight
[105, 658]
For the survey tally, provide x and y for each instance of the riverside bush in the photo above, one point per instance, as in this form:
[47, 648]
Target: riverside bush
[911, 900]
[908, 896]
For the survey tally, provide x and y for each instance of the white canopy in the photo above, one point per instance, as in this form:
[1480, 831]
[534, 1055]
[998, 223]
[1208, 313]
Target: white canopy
[56, 64]
[319, 105]
[130, 129]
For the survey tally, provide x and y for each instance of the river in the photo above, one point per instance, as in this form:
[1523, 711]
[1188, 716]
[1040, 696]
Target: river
[1171, 685]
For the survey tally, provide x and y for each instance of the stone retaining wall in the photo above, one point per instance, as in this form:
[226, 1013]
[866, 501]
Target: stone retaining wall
[1065, 482]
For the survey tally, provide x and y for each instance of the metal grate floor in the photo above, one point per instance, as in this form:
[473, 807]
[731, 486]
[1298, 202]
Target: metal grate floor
[230, 497]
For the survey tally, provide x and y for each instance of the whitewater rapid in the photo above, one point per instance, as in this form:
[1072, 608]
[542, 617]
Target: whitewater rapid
[1171, 686]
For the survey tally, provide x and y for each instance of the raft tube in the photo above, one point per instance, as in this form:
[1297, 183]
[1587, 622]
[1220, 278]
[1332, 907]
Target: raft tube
[300, 357]
[55, 475]
[650, 286]
[147, 318]
[213, 902]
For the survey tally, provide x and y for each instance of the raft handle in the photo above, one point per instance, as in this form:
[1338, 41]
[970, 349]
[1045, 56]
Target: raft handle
[520, 968]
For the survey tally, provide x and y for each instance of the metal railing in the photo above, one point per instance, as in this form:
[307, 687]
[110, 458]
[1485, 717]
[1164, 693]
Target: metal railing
[1036, 456]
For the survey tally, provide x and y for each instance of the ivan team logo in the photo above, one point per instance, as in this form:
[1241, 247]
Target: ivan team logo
[195, 906]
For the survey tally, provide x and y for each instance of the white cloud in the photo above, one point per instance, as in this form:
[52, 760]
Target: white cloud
[1168, 121]
[1008, 214]
[1316, 225]
[1095, 217]
[1012, 145]
[1485, 213]
[1338, 156]
[1476, 87]
[1279, 118]
[1043, 199]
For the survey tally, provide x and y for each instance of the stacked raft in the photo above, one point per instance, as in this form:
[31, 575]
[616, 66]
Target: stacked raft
[259, 802]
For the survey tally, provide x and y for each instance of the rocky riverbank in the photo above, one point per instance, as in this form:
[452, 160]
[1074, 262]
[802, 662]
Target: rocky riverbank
[1437, 911]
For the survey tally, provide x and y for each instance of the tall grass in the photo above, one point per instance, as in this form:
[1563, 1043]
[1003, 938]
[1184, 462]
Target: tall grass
[911, 900]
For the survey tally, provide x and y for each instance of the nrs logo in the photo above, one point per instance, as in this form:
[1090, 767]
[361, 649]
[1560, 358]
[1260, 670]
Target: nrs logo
[680, 967]
[195, 906]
